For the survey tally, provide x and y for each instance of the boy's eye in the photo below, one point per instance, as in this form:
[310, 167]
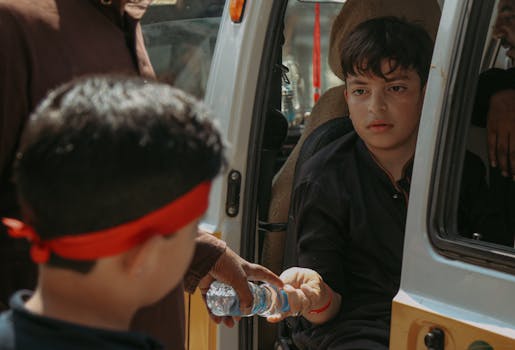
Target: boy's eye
[398, 88]
[358, 92]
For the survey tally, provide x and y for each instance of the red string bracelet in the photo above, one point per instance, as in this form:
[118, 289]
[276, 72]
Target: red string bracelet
[325, 307]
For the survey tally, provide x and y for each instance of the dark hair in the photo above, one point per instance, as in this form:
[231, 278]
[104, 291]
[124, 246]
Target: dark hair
[406, 45]
[104, 150]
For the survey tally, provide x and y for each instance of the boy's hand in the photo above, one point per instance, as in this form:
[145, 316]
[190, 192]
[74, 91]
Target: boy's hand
[501, 132]
[236, 271]
[307, 292]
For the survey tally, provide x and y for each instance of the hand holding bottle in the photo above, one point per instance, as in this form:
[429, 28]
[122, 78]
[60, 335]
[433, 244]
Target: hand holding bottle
[222, 300]
[309, 296]
[236, 271]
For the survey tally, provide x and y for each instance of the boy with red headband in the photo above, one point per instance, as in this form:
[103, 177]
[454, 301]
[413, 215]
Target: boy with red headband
[114, 175]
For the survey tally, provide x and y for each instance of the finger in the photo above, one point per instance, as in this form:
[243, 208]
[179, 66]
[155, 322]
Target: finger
[205, 283]
[228, 321]
[314, 295]
[216, 319]
[296, 276]
[299, 302]
[492, 148]
[245, 296]
[229, 270]
[260, 273]
[296, 301]
[292, 277]
[203, 292]
[275, 318]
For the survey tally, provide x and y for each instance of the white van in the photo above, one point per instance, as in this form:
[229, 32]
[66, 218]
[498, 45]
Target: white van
[256, 63]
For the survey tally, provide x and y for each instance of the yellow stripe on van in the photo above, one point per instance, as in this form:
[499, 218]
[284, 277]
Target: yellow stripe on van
[411, 324]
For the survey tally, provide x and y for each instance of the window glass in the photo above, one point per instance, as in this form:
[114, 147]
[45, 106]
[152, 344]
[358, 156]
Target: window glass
[180, 37]
[299, 26]
[483, 133]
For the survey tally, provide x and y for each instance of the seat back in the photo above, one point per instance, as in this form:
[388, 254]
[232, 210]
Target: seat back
[330, 106]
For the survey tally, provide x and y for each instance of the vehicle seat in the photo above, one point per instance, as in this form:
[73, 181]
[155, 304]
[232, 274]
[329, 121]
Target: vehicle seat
[330, 105]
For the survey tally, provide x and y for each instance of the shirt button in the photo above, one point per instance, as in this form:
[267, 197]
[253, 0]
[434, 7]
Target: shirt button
[395, 196]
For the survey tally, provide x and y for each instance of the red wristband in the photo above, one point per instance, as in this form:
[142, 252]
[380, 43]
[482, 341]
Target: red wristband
[325, 307]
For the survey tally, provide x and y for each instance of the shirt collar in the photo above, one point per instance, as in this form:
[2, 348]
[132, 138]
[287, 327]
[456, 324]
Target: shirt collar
[373, 165]
[39, 324]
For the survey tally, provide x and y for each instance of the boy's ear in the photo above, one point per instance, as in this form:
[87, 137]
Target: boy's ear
[141, 258]
[345, 93]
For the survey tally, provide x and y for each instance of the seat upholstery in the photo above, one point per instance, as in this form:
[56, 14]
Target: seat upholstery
[332, 103]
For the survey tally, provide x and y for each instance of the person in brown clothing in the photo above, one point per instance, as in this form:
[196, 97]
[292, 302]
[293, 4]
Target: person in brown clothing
[46, 43]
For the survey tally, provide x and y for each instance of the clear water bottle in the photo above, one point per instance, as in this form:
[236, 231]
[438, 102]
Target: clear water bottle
[287, 107]
[222, 300]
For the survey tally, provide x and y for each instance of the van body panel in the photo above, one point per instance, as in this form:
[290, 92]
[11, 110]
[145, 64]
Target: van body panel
[412, 320]
[230, 93]
[459, 297]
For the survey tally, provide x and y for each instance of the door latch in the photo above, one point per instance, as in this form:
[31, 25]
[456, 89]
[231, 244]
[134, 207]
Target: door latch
[435, 339]
[232, 202]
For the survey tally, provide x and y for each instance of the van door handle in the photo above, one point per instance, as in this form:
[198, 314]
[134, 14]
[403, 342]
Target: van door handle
[435, 339]
[232, 201]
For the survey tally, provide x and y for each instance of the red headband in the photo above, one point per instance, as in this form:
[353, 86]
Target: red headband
[115, 240]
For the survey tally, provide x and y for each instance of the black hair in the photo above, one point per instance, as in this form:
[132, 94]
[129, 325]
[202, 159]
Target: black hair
[406, 45]
[104, 150]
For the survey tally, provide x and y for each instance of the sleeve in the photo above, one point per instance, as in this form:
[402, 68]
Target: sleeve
[14, 98]
[207, 251]
[320, 225]
[490, 82]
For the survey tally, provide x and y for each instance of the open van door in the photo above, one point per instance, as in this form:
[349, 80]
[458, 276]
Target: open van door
[456, 292]
[260, 89]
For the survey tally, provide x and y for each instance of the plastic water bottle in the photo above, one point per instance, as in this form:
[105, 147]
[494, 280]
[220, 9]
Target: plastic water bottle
[287, 102]
[222, 300]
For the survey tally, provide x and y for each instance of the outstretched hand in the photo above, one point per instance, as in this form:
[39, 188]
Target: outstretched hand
[501, 132]
[235, 271]
[306, 292]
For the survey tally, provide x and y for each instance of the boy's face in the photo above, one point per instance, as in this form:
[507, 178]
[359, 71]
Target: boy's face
[386, 112]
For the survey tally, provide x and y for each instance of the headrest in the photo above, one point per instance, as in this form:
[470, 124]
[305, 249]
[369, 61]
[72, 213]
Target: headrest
[331, 105]
[354, 12]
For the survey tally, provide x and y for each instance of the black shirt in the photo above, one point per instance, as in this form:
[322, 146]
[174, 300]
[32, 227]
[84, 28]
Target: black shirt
[23, 330]
[350, 218]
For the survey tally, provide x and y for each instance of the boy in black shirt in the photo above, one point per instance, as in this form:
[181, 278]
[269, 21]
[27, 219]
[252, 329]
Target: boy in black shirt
[114, 175]
[351, 201]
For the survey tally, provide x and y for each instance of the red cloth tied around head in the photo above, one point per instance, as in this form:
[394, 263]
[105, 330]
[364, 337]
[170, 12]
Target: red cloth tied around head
[115, 240]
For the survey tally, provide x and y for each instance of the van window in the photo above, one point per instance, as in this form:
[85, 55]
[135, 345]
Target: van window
[473, 209]
[180, 37]
[298, 57]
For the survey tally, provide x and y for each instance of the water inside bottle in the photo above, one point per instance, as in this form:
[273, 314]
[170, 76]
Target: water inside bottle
[222, 300]
[274, 301]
